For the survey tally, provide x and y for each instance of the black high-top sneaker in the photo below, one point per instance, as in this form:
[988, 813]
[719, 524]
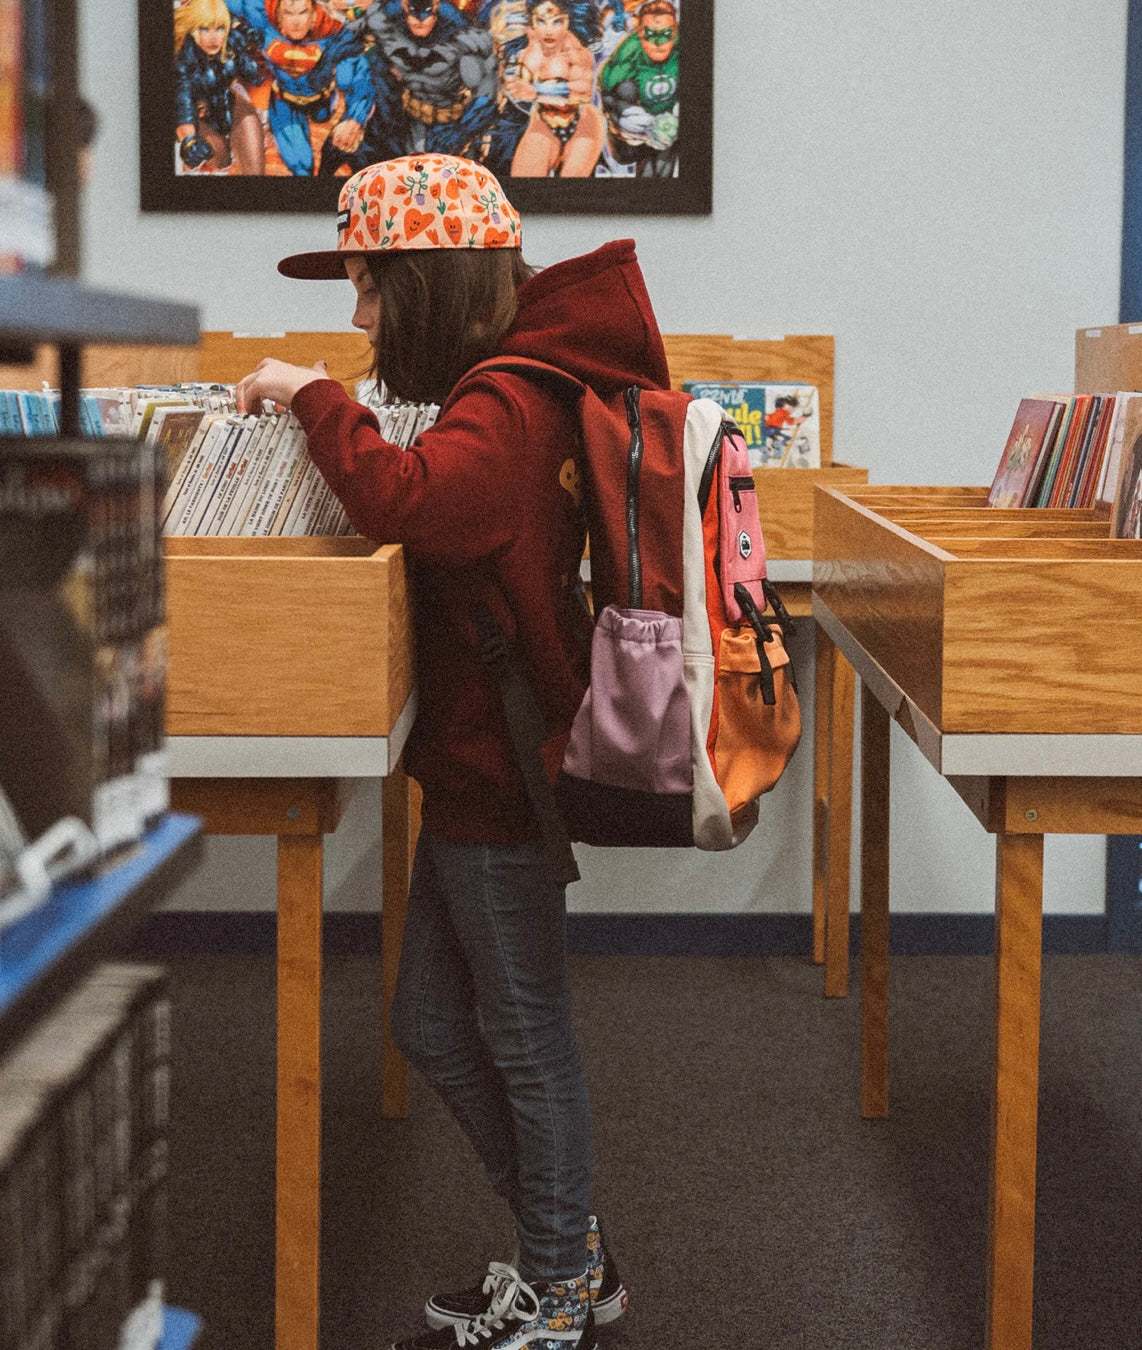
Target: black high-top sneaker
[520, 1316]
[608, 1296]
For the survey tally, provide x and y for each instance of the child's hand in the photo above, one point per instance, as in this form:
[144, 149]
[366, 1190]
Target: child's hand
[277, 381]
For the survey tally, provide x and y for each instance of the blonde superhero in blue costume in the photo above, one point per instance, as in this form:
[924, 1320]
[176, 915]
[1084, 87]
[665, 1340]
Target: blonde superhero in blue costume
[311, 57]
[216, 123]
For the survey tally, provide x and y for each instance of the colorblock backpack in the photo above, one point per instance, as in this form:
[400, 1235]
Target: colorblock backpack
[691, 712]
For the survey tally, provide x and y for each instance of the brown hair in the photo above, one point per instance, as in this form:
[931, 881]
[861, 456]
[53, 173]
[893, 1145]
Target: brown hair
[441, 311]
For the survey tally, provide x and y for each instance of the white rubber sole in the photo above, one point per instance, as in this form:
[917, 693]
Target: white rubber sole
[606, 1310]
[612, 1307]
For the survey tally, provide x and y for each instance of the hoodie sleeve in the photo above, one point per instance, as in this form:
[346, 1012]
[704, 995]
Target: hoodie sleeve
[453, 496]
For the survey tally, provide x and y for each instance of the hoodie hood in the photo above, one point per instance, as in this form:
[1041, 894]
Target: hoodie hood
[591, 316]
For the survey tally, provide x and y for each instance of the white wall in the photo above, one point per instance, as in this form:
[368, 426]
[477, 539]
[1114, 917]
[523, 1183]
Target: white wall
[938, 186]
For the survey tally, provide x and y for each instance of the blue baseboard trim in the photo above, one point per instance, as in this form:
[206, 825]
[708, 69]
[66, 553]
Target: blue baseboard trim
[172, 933]
[1124, 893]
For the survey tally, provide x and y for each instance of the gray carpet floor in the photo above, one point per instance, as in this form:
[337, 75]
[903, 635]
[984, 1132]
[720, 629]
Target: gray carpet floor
[747, 1203]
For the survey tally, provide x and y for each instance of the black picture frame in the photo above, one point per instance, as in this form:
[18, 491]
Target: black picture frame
[1130, 297]
[165, 188]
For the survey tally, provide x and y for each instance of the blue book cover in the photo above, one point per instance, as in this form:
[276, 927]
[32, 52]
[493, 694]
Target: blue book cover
[780, 423]
[90, 418]
[35, 413]
[11, 423]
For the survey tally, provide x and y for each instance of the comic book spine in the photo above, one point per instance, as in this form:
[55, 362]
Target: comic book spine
[217, 446]
[235, 472]
[214, 484]
[177, 480]
[291, 498]
[189, 492]
[260, 453]
[296, 509]
[278, 474]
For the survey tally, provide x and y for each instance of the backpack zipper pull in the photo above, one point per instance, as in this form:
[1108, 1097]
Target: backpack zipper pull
[737, 487]
[763, 633]
[784, 618]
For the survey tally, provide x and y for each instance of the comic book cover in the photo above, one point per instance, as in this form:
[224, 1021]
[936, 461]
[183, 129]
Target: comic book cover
[1126, 507]
[780, 423]
[1031, 434]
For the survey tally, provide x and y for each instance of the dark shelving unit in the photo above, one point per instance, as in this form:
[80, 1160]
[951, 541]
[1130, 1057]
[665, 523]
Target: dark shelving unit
[37, 308]
[83, 921]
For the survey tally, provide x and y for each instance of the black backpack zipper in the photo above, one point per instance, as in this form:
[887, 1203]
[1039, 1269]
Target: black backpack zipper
[631, 396]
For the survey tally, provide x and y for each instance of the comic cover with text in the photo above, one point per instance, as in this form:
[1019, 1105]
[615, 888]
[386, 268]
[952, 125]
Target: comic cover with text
[780, 423]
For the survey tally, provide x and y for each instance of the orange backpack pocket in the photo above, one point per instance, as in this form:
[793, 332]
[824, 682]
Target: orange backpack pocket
[753, 740]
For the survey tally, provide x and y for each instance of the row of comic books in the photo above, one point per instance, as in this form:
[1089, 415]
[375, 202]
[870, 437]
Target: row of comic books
[244, 474]
[82, 643]
[84, 1103]
[226, 473]
[27, 412]
[1071, 450]
[780, 423]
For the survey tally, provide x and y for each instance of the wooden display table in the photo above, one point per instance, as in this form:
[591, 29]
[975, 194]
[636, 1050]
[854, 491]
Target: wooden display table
[290, 680]
[971, 628]
[833, 743]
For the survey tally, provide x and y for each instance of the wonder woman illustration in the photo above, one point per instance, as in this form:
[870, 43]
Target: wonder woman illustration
[552, 70]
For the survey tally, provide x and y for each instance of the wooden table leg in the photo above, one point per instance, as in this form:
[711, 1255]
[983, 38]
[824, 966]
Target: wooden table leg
[874, 812]
[399, 828]
[299, 1091]
[822, 739]
[840, 825]
[1015, 1090]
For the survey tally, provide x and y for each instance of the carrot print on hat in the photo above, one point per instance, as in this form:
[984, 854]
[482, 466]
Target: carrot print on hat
[416, 201]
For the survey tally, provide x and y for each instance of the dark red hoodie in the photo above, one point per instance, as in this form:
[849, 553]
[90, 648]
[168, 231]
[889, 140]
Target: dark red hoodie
[485, 505]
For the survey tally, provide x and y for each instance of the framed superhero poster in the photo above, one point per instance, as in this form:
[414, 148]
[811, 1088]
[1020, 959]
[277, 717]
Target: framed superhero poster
[577, 106]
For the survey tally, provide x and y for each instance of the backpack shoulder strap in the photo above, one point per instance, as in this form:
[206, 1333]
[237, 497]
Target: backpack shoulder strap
[541, 372]
[521, 710]
[525, 726]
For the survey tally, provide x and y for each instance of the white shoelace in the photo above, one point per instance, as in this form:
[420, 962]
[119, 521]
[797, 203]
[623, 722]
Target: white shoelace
[512, 1298]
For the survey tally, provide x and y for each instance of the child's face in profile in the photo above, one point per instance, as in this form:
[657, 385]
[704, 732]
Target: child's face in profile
[367, 315]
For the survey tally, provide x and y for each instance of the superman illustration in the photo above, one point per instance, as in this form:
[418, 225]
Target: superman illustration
[312, 58]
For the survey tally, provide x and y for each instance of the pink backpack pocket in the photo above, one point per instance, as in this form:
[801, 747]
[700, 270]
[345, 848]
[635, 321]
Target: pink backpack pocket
[640, 743]
[741, 548]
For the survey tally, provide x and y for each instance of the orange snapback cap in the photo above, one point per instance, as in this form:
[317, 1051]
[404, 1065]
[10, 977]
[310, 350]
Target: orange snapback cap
[417, 201]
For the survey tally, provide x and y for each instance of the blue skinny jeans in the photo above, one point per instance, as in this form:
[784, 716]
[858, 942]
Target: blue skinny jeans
[482, 1010]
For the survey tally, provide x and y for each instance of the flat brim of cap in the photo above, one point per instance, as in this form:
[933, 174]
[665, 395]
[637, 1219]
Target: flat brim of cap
[326, 266]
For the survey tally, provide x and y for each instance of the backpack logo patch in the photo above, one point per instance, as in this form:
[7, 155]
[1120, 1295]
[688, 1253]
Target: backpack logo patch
[745, 544]
[569, 480]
